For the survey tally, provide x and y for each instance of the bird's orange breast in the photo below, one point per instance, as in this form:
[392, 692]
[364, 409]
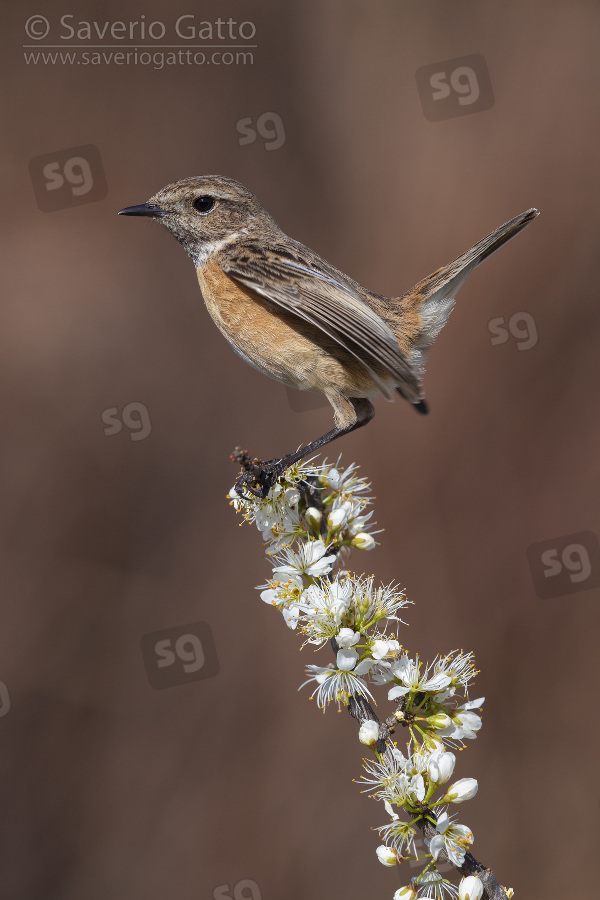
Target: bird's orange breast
[277, 342]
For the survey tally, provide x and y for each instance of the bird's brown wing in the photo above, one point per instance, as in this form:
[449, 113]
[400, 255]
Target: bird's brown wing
[292, 281]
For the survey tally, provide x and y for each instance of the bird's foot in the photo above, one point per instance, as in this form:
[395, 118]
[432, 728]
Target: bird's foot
[257, 476]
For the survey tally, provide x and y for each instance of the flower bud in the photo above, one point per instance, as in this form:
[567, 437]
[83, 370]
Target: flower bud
[313, 516]
[470, 888]
[440, 720]
[441, 767]
[464, 789]
[368, 734]
[363, 541]
[346, 638]
[337, 518]
[405, 893]
[387, 856]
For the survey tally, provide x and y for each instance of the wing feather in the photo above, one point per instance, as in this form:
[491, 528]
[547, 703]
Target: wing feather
[325, 300]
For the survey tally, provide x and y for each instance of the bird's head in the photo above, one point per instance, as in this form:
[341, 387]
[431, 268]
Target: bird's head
[205, 212]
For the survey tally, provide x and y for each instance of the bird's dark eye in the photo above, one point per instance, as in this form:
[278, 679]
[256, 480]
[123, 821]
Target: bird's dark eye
[203, 204]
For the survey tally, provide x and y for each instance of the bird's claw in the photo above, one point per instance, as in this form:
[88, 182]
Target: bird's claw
[257, 476]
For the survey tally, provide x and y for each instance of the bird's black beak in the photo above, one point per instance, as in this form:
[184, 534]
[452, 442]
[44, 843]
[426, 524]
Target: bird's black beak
[144, 209]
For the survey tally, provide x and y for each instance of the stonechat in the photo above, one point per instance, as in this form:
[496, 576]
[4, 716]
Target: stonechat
[297, 318]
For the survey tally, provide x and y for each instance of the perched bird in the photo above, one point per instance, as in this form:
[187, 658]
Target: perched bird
[297, 318]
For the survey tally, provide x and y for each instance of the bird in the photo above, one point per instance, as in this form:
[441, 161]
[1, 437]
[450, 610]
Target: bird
[299, 319]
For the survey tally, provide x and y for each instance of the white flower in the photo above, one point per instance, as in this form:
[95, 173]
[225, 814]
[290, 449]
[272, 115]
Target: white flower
[405, 893]
[290, 614]
[432, 884]
[333, 684]
[345, 482]
[461, 790]
[276, 517]
[376, 668]
[341, 593]
[401, 779]
[347, 638]
[470, 888]
[324, 608]
[363, 541]
[453, 838]
[384, 773]
[380, 671]
[284, 530]
[466, 724]
[406, 791]
[408, 672]
[368, 733]
[459, 666]
[441, 766]
[346, 660]
[398, 834]
[387, 856]
[309, 559]
[281, 593]
[381, 648]
[375, 604]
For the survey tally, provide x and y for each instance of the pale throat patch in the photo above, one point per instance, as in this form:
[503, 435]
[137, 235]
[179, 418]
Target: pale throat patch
[206, 250]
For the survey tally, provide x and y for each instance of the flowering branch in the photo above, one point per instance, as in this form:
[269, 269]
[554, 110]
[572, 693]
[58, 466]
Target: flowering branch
[310, 520]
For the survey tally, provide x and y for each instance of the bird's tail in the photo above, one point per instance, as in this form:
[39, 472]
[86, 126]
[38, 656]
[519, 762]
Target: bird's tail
[420, 314]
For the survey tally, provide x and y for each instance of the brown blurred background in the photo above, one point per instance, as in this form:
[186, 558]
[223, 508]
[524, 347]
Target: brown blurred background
[113, 788]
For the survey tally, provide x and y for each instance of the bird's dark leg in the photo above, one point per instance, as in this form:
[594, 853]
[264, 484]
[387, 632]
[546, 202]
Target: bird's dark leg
[258, 477]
